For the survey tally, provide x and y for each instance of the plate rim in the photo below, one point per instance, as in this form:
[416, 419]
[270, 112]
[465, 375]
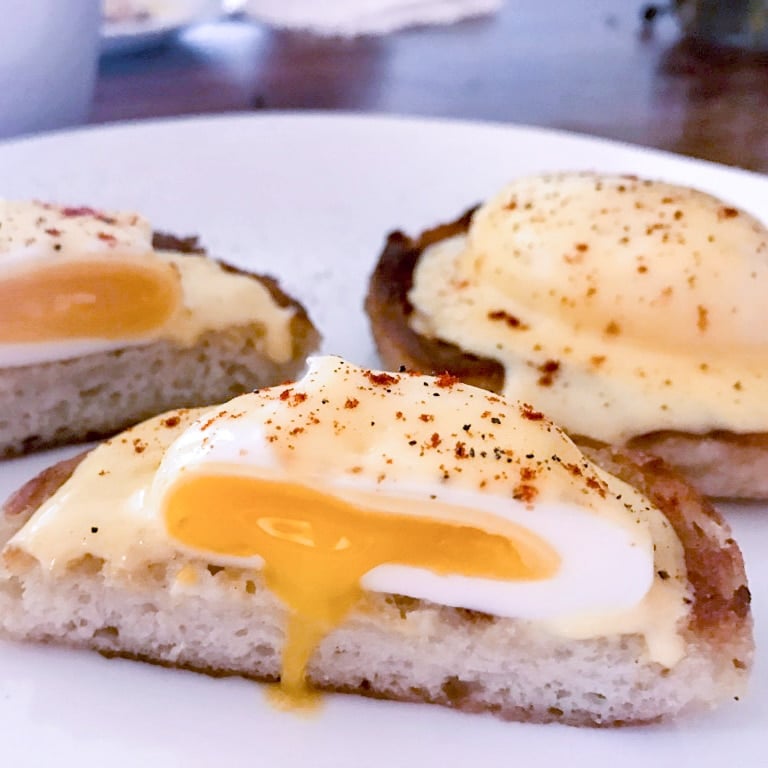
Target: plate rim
[400, 120]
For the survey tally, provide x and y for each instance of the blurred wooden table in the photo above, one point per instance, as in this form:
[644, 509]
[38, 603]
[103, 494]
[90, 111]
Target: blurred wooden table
[588, 67]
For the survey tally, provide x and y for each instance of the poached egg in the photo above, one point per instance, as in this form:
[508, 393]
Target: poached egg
[619, 305]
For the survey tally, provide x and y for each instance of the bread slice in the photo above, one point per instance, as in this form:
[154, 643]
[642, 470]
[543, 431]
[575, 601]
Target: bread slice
[83, 398]
[206, 616]
[721, 464]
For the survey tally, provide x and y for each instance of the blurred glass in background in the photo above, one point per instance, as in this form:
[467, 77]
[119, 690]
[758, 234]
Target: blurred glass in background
[48, 56]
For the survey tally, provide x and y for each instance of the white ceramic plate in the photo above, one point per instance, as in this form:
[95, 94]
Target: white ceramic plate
[166, 18]
[309, 198]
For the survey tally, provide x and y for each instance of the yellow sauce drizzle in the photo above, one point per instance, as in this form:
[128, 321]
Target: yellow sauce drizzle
[317, 547]
[94, 299]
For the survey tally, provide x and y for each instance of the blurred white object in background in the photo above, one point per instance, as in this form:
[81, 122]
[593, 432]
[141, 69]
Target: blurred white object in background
[48, 56]
[361, 17]
[129, 26]
[115, 11]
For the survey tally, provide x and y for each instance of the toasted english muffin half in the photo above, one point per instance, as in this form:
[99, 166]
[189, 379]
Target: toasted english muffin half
[221, 616]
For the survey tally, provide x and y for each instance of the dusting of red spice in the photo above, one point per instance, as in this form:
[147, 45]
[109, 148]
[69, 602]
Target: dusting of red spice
[139, 446]
[446, 380]
[427, 417]
[596, 485]
[525, 492]
[299, 397]
[171, 421]
[461, 450]
[573, 258]
[106, 237]
[285, 394]
[381, 379]
[53, 232]
[84, 210]
[574, 469]
[548, 370]
[510, 320]
[702, 322]
[726, 212]
[351, 402]
[527, 412]
[435, 440]
[212, 419]
[81, 210]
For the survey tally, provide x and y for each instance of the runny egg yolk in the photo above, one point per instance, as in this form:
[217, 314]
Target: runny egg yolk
[317, 547]
[105, 299]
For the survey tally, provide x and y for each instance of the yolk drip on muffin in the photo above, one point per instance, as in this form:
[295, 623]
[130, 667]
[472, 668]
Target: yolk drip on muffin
[317, 547]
